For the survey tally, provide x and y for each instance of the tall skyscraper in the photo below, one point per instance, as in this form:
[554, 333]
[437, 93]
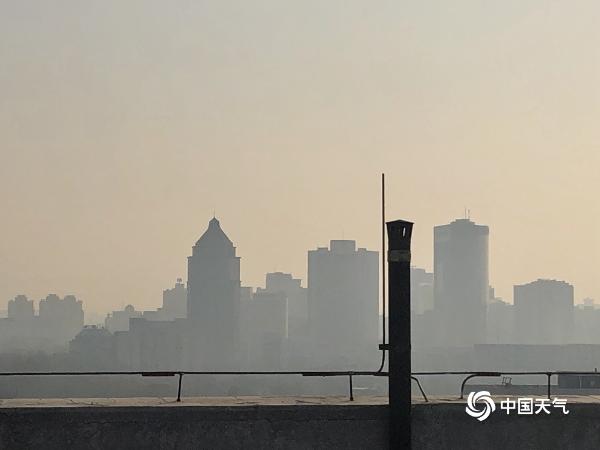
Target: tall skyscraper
[343, 305]
[213, 302]
[544, 312]
[62, 318]
[461, 282]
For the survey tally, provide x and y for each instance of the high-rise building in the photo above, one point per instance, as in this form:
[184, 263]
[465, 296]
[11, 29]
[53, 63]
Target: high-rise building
[20, 308]
[421, 290]
[213, 299]
[500, 322]
[343, 305]
[265, 329]
[421, 307]
[461, 282]
[58, 321]
[544, 312]
[61, 318]
[296, 295]
[586, 322]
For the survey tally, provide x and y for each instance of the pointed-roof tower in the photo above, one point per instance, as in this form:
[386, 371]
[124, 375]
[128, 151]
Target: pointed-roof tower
[214, 240]
[214, 298]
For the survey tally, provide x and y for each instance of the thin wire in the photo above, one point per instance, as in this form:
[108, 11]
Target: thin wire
[383, 268]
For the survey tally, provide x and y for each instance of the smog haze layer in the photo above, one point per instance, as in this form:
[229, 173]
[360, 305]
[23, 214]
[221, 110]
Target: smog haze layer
[125, 125]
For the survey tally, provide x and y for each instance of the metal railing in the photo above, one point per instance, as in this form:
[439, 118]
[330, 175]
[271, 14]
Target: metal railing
[180, 374]
[470, 375]
[350, 374]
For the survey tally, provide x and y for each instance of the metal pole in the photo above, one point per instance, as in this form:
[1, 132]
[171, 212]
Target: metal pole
[399, 236]
[383, 286]
[179, 387]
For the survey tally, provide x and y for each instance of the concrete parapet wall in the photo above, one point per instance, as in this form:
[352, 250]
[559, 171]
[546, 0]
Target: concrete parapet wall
[238, 427]
[437, 426]
[447, 426]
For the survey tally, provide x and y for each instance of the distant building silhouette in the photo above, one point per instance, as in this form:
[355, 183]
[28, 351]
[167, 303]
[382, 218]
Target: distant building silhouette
[62, 319]
[246, 293]
[119, 320]
[343, 305]
[174, 307]
[265, 329]
[208, 338]
[58, 321]
[151, 345]
[461, 282]
[93, 348]
[213, 298]
[274, 321]
[423, 326]
[500, 322]
[586, 322]
[20, 309]
[175, 302]
[544, 312]
[421, 290]
[297, 300]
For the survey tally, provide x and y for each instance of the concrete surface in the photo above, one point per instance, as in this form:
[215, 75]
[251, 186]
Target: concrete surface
[194, 425]
[189, 401]
[283, 423]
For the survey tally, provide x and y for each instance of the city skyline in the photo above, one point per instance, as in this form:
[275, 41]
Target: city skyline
[231, 325]
[123, 128]
[265, 224]
[94, 315]
[332, 323]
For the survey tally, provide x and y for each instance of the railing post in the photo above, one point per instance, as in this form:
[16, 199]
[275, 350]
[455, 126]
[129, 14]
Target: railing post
[351, 390]
[179, 387]
[399, 236]
[476, 374]
[421, 389]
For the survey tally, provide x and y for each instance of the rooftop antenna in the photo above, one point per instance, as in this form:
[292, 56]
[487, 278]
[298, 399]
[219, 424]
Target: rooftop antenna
[383, 345]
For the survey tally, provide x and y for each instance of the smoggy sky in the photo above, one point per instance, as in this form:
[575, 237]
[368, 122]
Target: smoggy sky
[123, 125]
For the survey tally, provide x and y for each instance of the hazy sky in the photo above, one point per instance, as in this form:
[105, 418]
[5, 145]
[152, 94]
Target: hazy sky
[124, 124]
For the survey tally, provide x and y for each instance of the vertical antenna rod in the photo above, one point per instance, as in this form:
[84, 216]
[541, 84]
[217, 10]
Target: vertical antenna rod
[383, 325]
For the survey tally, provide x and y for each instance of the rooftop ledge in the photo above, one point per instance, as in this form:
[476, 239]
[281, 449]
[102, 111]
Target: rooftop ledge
[325, 422]
[191, 401]
[256, 401]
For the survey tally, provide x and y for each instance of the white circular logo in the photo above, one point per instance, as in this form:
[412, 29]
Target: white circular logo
[477, 400]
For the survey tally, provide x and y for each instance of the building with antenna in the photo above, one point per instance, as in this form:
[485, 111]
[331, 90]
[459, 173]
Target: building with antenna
[461, 282]
[213, 300]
